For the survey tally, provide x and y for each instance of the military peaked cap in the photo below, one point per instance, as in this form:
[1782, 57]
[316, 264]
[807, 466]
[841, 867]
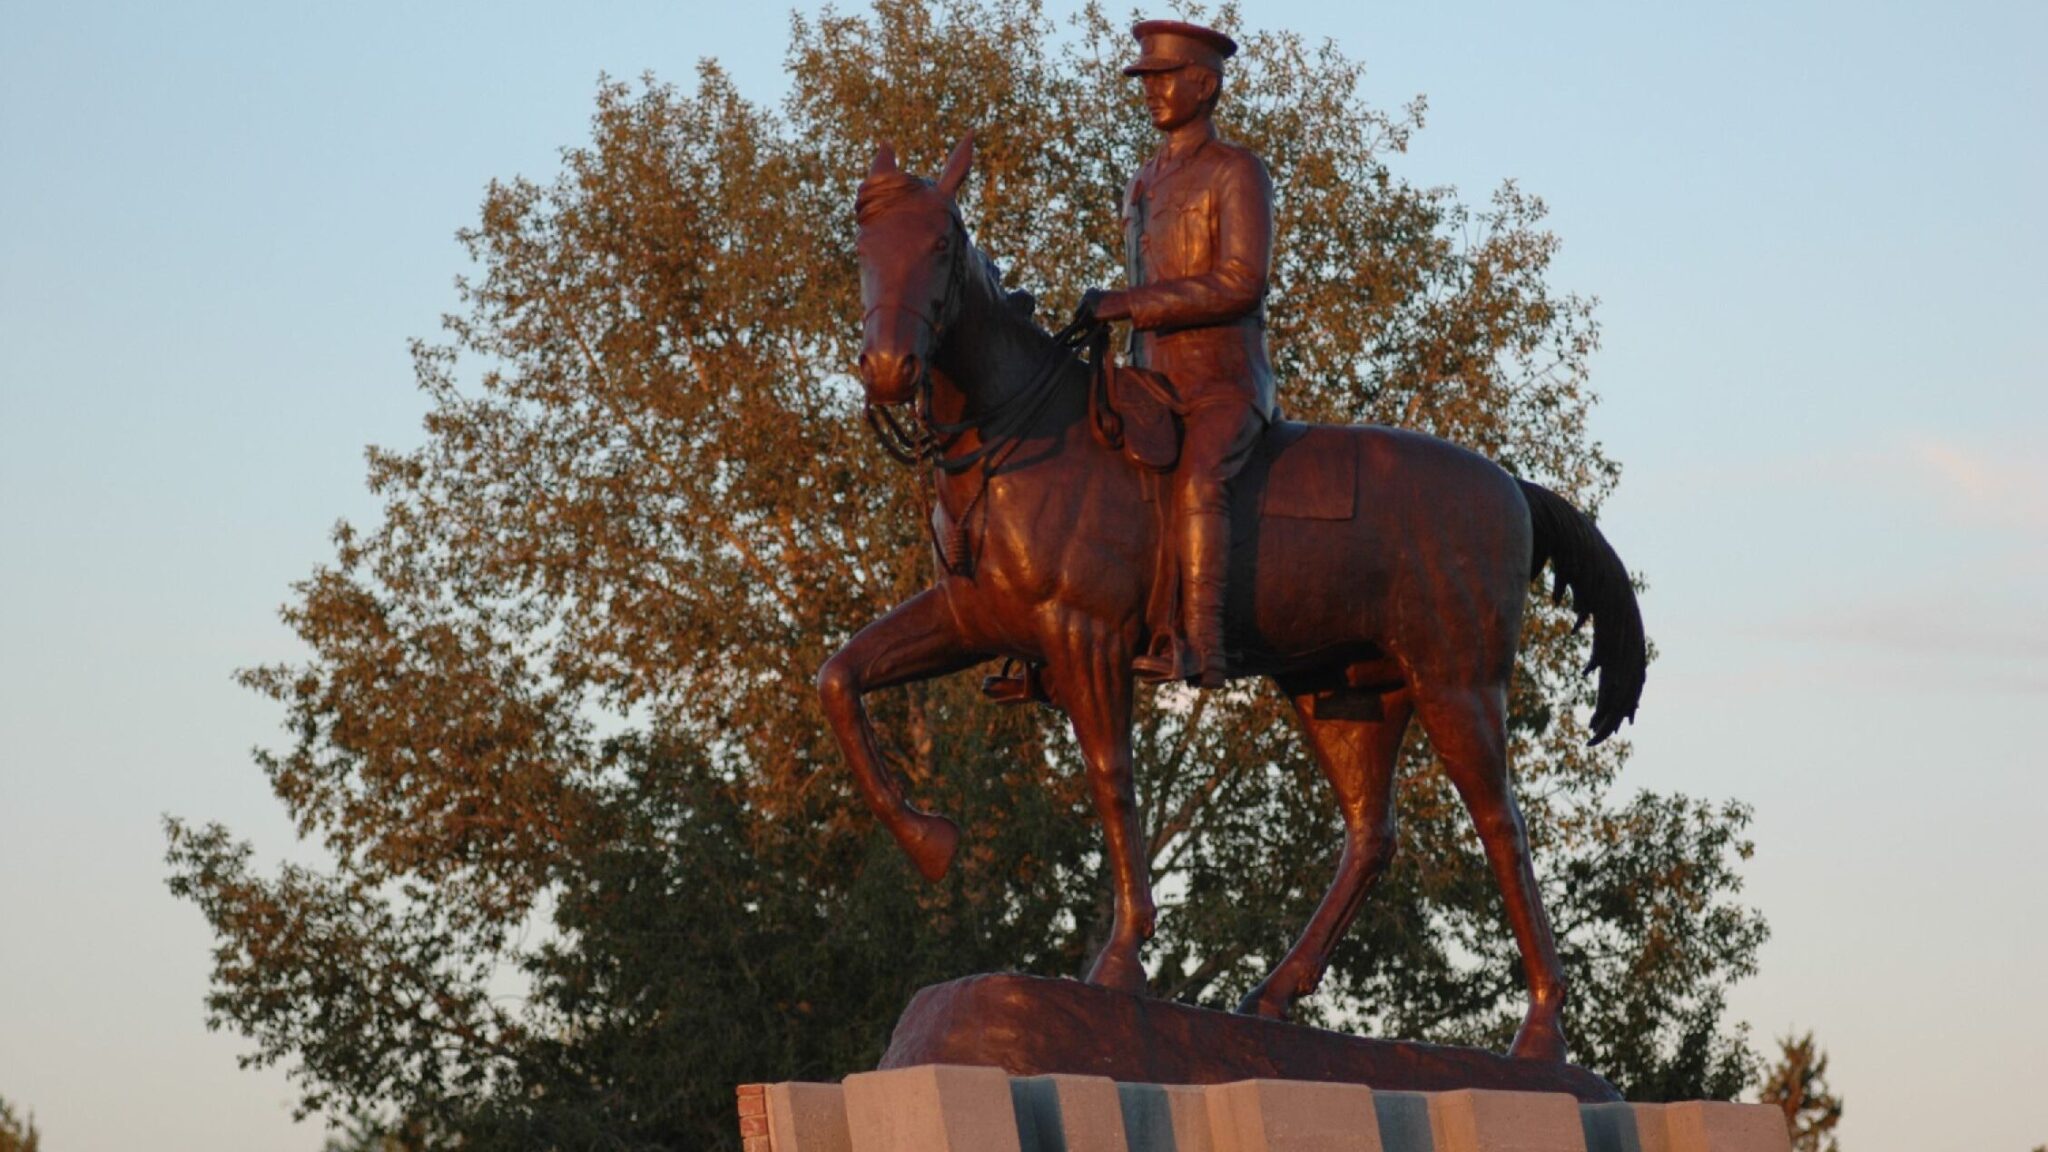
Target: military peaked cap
[1164, 45]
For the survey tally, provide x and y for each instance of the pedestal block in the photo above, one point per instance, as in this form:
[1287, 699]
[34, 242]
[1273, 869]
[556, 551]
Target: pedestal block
[1076, 1113]
[1294, 1116]
[933, 1108]
[1475, 1121]
[936, 1108]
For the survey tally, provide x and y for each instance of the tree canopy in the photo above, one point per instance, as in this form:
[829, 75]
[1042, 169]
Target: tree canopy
[1797, 1082]
[593, 857]
[18, 1134]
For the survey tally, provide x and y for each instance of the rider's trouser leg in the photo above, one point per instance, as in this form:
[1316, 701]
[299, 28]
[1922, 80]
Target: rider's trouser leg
[1220, 437]
[1204, 554]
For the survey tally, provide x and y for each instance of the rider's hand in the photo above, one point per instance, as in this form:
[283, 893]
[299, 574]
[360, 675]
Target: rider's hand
[1101, 304]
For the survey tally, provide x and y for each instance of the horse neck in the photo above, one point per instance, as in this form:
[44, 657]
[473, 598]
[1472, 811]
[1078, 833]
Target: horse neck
[992, 352]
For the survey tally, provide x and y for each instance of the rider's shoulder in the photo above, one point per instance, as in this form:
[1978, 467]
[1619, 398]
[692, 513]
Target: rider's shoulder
[1239, 159]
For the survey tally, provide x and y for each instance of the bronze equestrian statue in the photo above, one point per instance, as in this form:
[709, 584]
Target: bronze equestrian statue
[1375, 574]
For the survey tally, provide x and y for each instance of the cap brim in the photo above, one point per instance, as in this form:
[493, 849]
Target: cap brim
[1144, 64]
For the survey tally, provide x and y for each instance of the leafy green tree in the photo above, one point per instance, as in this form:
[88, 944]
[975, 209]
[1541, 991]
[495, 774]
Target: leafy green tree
[1798, 1083]
[364, 1131]
[594, 856]
[16, 1133]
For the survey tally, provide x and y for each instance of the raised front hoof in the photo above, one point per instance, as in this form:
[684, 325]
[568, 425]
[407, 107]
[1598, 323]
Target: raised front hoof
[1118, 969]
[930, 842]
[1539, 1038]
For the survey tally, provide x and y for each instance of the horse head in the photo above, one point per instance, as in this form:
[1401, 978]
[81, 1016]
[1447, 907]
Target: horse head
[912, 249]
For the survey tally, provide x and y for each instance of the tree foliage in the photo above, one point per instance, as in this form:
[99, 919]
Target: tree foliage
[17, 1133]
[594, 857]
[1798, 1083]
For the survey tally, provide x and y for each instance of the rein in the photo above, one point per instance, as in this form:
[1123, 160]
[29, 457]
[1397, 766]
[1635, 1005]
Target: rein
[1001, 430]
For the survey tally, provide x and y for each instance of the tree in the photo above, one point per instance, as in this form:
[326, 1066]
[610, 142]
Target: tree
[1798, 1083]
[17, 1134]
[594, 855]
[363, 1131]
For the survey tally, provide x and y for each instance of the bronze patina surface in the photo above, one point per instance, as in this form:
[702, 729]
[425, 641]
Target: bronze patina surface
[1198, 246]
[1375, 575]
[1031, 1026]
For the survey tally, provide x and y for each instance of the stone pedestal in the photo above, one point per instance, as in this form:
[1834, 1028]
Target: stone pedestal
[940, 1108]
[1032, 1026]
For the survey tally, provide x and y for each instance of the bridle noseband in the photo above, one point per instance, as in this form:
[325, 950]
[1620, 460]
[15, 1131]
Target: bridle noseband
[921, 441]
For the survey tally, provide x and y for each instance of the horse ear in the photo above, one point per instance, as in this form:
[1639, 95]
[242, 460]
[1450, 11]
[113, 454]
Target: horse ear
[885, 159]
[957, 165]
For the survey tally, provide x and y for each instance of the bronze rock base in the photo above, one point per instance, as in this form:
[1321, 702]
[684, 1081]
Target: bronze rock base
[1032, 1026]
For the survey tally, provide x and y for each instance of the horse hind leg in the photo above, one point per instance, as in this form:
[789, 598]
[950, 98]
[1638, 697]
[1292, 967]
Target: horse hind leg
[1355, 735]
[1469, 730]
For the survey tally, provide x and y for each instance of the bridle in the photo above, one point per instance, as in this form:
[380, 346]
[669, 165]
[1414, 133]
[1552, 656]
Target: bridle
[1001, 429]
[919, 442]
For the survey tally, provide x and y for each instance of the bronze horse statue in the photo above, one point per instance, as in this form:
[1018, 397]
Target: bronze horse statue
[1410, 606]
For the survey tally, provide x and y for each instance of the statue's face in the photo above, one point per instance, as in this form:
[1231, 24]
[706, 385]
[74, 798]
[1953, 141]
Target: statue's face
[906, 262]
[1178, 97]
[911, 246]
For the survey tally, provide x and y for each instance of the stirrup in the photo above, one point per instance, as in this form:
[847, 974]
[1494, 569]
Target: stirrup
[1172, 660]
[1019, 682]
[1162, 663]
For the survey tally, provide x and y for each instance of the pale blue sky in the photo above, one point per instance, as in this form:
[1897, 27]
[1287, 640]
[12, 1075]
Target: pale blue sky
[1816, 231]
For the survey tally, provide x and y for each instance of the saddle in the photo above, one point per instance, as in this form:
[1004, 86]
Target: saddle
[1297, 471]
[1138, 410]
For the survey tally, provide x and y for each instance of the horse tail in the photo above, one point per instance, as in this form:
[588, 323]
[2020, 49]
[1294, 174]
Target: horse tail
[1583, 561]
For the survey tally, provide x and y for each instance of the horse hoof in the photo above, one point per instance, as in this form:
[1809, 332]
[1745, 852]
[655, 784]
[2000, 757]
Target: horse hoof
[930, 842]
[1539, 1040]
[1118, 971]
[1264, 1004]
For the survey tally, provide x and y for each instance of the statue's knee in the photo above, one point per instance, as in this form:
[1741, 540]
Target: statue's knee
[838, 685]
[1501, 826]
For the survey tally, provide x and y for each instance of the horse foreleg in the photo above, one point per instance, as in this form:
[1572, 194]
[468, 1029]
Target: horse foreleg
[1469, 729]
[1092, 672]
[916, 641]
[1356, 738]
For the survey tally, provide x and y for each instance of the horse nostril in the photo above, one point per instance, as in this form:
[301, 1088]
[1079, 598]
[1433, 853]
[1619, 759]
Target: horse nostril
[887, 374]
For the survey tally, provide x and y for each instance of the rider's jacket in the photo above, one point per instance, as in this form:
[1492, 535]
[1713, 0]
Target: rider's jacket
[1198, 246]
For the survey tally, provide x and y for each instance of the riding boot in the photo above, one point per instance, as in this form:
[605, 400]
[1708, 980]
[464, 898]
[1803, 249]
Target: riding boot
[1205, 558]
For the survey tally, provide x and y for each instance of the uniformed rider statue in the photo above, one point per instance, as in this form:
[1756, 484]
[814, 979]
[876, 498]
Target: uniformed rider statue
[1198, 246]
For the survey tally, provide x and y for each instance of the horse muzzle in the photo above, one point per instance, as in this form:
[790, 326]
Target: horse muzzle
[890, 377]
[891, 364]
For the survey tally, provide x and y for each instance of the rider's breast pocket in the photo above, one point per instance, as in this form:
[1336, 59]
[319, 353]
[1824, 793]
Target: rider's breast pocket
[1195, 228]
